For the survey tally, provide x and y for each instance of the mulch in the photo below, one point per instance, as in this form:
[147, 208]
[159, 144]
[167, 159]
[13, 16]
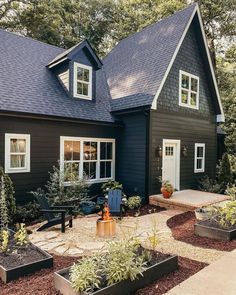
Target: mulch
[144, 210]
[41, 283]
[182, 227]
[187, 268]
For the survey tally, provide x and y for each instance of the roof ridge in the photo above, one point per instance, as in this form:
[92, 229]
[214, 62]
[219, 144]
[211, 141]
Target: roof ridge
[16, 34]
[151, 25]
[161, 20]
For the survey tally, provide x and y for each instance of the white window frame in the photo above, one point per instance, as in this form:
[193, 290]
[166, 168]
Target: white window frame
[75, 80]
[197, 145]
[8, 168]
[188, 105]
[82, 161]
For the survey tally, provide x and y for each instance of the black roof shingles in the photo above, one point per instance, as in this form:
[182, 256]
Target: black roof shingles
[28, 86]
[130, 78]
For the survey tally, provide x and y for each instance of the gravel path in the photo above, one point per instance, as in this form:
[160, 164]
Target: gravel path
[82, 239]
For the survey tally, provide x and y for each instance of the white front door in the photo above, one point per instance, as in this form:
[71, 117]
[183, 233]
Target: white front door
[171, 161]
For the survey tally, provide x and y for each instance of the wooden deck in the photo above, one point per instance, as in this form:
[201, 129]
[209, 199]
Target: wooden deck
[187, 200]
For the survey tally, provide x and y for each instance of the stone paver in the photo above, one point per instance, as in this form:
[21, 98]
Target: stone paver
[215, 279]
[82, 239]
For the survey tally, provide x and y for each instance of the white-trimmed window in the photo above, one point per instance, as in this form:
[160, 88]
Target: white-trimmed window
[188, 90]
[90, 157]
[199, 158]
[17, 153]
[82, 81]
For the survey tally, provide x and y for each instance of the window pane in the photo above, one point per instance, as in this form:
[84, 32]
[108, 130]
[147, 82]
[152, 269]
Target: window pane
[90, 169]
[185, 82]
[80, 73]
[200, 151]
[109, 150]
[17, 161]
[68, 149]
[17, 145]
[71, 171]
[199, 163]
[79, 88]
[103, 150]
[184, 96]
[105, 169]
[86, 75]
[85, 89]
[90, 150]
[193, 100]
[194, 84]
[76, 150]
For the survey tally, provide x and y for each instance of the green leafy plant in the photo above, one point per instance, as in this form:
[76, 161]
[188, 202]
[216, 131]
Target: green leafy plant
[27, 213]
[59, 193]
[21, 236]
[225, 174]
[4, 241]
[207, 184]
[167, 186]
[231, 191]
[85, 275]
[134, 202]
[9, 192]
[111, 184]
[4, 217]
[224, 216]
[123, 262]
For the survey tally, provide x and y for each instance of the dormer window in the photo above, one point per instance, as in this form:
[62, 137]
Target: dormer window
[82, 81]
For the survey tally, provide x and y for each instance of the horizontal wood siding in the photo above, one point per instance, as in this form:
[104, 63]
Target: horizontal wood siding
[132, 153]
[45, 147]
[190, 131]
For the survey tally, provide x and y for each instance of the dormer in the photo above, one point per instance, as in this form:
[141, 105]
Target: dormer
[76, 69]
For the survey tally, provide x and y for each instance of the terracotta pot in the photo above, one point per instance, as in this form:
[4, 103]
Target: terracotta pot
[165, 193]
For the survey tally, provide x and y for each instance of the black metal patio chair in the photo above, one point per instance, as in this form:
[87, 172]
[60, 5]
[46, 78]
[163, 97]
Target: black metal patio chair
[49, 214]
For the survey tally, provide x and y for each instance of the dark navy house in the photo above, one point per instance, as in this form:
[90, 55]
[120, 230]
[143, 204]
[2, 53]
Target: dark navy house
[150, 108]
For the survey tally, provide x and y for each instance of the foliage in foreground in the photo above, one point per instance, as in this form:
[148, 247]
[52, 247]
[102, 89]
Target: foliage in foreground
[122, 261]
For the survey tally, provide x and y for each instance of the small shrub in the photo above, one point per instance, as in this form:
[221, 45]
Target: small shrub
[134, 202]
[4, 217]
[225, 174]
[153, 239]
[224, 216]
[207, 184]
[21, 236]
[27, 213]
[59, 193]
[9, 191]
[123, 262]
[111, 184]
[84, 275]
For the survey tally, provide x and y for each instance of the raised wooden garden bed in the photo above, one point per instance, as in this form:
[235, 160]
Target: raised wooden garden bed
[125, 287]
[211, 230]
[21, 261]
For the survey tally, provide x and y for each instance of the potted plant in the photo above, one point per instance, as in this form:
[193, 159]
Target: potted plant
[167, 189]
[88, 207]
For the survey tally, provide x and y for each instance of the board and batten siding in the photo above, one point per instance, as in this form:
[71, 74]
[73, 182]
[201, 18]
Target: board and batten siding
[131, 153]
[189, 131]
[45, 147]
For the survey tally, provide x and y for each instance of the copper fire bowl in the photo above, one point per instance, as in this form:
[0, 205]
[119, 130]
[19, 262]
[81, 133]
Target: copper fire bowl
[106, 228]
